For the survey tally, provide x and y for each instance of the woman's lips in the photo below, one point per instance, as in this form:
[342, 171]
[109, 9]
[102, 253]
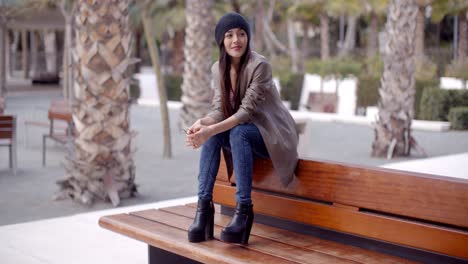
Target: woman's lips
[236, 48]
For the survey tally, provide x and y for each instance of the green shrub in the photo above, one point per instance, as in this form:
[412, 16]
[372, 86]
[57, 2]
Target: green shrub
[431, 104]
[373, 67]
[368, 91]
[173, 87]
[436, 103]
[420, 85]
[458, 117]
[457, 70]
[291, 87]
[425, 69]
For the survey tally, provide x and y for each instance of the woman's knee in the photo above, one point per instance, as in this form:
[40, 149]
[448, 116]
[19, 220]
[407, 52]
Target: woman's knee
[215, 140]
[238, 133]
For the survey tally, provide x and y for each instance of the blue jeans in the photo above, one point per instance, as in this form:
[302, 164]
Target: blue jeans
[244, 142]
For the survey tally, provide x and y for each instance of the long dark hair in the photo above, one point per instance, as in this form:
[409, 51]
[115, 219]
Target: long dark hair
[225, 79]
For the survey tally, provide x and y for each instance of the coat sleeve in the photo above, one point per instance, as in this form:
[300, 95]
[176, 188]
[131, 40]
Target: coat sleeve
[255, 92]
[216, 111]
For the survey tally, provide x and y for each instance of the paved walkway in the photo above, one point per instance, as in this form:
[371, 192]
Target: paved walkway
[36, 229]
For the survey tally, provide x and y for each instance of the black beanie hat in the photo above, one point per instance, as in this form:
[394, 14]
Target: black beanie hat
[229, 21]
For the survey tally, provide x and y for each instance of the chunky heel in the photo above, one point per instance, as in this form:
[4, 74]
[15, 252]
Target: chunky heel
[246, 235]
[210, 228]
[238, 230]
[203, 224]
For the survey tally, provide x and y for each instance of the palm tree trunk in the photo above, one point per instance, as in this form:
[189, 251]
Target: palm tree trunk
[67, 81]
[14, 52]
[167, 148]
[33, 47]
[50, 51]
[3, 32]
[259, 14]
[273, 39]
[266, 21]
[393, 128]
[178, 52]
[7, 53]
[25, 53]
[102, 166]
[462, 37]
[324, 37]
[304, 46]
[372, 45]
[137, 48]
[235, 6]
[293, 47]
[197, 94]
[350, 38]
[419, 37]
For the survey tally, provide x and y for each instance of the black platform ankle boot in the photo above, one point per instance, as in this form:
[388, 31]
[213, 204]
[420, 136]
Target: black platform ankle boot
[238, 230]
[203, 224]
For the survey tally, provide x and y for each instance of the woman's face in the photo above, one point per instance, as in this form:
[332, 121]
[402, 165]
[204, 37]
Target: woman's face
[235, 42]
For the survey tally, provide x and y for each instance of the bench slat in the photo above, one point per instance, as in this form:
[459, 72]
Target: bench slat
[423, 236]
[256, 244]
[423, 196]
[299, 240]
[175, 240]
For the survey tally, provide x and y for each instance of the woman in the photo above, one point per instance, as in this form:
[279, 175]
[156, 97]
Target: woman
[247, 120]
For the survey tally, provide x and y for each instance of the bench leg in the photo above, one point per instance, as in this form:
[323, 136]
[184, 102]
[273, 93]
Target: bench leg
[10, 148]
[43, 150]
[159, 256]
[15, 158]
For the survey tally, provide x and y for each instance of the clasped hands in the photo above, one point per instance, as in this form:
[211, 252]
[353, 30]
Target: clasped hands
[197, 135]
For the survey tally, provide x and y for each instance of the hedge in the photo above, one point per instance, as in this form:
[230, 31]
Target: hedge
[173, 87]
[436, 103]
[368, 92]
[458, 117]
[291, 86]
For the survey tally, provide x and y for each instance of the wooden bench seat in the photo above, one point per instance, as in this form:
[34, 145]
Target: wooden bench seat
[166, 229]
[331, 213]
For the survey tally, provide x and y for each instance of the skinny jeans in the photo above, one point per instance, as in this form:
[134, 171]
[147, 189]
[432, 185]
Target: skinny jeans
[245, 143]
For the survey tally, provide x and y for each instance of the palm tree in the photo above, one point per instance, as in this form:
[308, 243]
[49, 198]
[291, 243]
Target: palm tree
[68, 8]
[393, 128]
[458, 8]
[353, 10]
[8, 9]
[101, 166]
[196, 90]
[420, 25]
[376, 9]
[168, 19]
[154, 54]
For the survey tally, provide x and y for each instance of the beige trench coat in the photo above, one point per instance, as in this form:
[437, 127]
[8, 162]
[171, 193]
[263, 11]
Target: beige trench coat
[262, 106]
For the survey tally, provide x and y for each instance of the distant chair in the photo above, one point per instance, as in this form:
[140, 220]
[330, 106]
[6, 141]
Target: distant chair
[8, 138]
[58, 111]
[2, 105]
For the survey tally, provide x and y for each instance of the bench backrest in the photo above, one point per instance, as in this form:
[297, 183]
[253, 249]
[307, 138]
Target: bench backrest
[410, 209]
[7, 127]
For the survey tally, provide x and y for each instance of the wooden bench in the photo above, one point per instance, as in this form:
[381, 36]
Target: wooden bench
[8, 138]
[331, 213]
